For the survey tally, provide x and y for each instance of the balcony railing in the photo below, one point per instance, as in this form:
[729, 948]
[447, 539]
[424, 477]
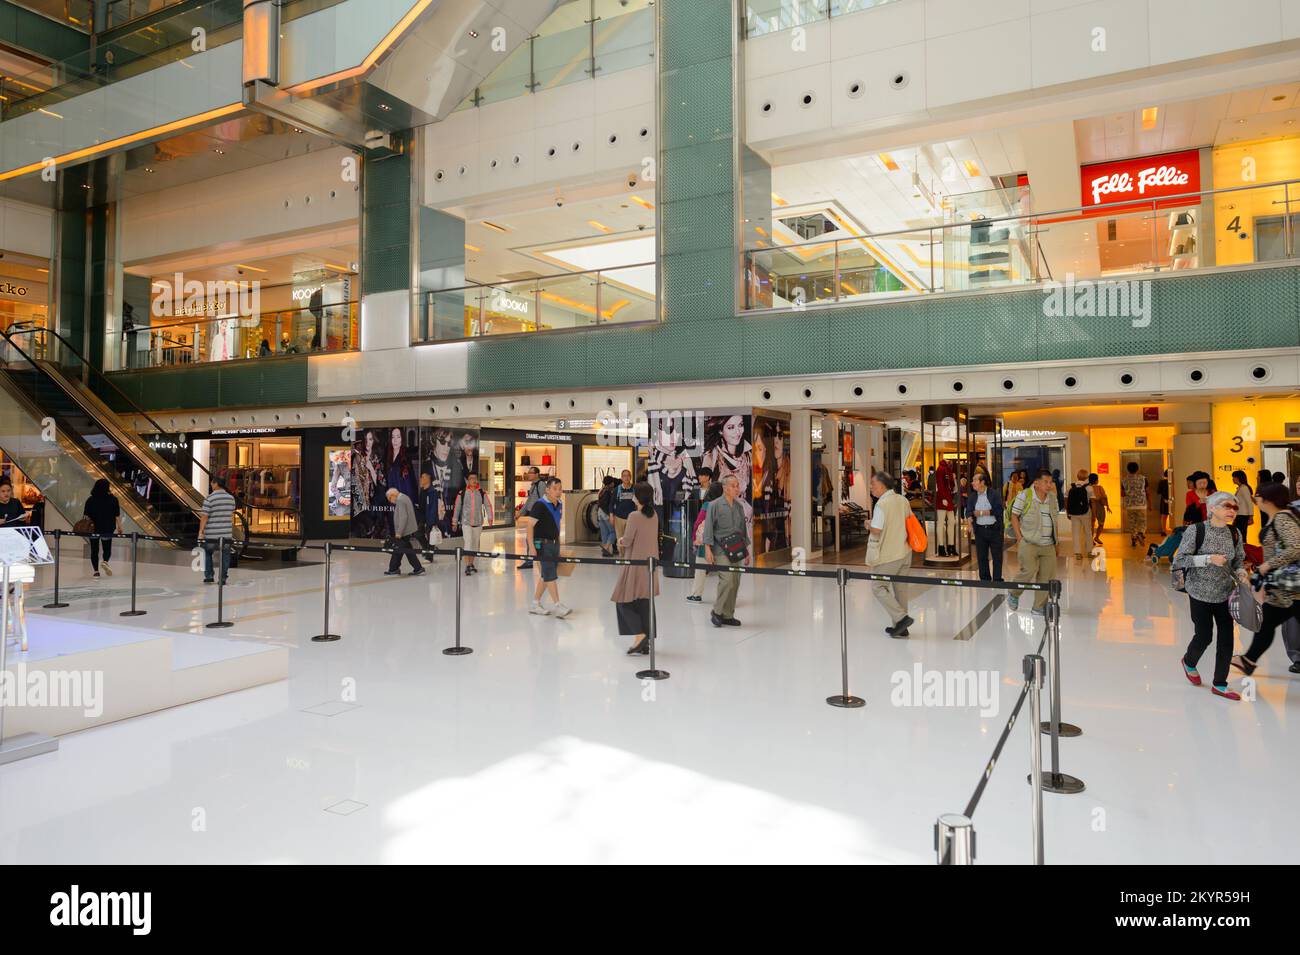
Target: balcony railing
[181, 342]
[612, 39]
[152, 44]
[773, 16]
[1193, 231]
[551, 303]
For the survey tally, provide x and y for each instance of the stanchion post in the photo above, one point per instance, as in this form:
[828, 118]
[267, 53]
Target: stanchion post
[221, 622]
[58, 537]
[1056, 781]
[1053, 618]
[135, 554]
[325, 636]
[845, 699]
[1034, 678]
[458, 650]
[954, 840]
[654, 673]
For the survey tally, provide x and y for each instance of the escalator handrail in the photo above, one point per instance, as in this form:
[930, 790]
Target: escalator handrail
[133, 409]
[9, 335]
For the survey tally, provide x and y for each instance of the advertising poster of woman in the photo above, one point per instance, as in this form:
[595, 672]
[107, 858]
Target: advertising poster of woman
[669, 467]
[338, 483]
[449, 456]
[771, 487]
[369, 508]
[727, 451]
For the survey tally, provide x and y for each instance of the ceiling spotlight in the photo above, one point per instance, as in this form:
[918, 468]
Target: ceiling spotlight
[148, 168]
[385, 107]
[218, 150]
[473, 34]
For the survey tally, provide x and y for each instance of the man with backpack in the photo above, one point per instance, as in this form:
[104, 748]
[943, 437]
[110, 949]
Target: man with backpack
[1033, 520]
[1079, 510]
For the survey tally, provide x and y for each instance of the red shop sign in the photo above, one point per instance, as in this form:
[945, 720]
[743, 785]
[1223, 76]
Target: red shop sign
[1140, 180]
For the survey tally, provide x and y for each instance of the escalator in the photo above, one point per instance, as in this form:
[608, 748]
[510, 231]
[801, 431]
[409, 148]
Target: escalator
[59, 429]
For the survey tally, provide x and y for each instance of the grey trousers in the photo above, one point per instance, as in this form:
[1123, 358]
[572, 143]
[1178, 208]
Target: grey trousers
[728, 585]
[891, 596]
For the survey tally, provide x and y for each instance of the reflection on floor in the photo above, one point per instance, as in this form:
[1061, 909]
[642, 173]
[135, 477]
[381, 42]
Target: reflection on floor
[543, 745]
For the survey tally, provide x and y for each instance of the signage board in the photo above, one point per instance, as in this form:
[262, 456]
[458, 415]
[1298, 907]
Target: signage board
[1140, 181]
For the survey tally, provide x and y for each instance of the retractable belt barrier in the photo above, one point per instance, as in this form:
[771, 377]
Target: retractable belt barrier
[954, 834]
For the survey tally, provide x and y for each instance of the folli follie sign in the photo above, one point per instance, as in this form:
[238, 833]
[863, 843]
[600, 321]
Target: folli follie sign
[1151, 413]
[1140, 181]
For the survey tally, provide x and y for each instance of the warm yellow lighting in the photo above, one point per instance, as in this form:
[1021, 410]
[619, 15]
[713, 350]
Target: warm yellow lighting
[472, 248]
[596, 225]
[778, 201]
[643, 203]
[888, 162]
[113, 145]
[49, 112]
[1149, 117]
[411, 16]
[251, 268]
[972, 170]
[760, 230]
[493, 225]
[337, 268]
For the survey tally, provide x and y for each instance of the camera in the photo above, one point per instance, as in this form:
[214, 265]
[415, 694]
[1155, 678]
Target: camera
[559, 202]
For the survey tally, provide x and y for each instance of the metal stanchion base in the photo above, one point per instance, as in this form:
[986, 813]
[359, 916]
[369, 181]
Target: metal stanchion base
[1060, 783]
[25, 745]
[458, 651]
[1067, 729]
[652, 674]
[220, 624]
[326, 637]
[847, 702]
[132, 613]
[52, 606]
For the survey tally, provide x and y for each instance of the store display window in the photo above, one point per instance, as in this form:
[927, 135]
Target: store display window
[544, 457]
[265, 476]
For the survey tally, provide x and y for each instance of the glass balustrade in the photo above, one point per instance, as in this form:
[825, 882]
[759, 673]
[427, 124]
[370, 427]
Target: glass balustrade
[568, 300]
[122, 55]
[1225, 227]
[589, 38]
[772, 16]
[180, 342]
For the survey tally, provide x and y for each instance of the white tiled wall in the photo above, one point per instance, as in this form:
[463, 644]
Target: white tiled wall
[530, 140]
[929, 57]
[304, 192]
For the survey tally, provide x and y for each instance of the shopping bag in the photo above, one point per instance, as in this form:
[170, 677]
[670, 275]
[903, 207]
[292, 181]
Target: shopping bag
[1245, 609]
[916, 538]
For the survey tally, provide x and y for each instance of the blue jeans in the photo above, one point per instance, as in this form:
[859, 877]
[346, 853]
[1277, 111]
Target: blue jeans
[208, 548]
[608, 536]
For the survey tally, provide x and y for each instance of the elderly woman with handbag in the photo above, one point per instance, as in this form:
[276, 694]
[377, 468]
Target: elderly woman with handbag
[1210, 561]
[1278, 577]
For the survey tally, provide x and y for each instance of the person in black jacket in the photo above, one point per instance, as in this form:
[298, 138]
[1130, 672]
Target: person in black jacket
[984, 511]
[106, 513]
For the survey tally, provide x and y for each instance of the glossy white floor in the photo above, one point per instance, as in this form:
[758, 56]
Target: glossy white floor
[543, 746]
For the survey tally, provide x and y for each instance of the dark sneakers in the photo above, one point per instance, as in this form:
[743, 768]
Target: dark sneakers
[731, 622]
[715, 619]
[418, 573]
[392, 573]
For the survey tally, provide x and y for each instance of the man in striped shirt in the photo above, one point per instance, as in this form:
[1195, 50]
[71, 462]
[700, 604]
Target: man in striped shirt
[216, 521]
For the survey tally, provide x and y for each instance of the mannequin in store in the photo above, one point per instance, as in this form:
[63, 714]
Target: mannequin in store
[945, 513]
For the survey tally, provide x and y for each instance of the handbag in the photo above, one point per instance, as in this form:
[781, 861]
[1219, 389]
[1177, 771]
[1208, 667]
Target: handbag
[735, 545]
[1245, 609]
[84, 526]
[916, 538]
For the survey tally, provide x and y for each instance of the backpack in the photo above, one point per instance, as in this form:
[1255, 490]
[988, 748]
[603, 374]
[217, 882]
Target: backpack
[1076, 502]
[1178, 576]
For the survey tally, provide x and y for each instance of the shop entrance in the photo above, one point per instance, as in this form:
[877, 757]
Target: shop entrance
[1151, 465]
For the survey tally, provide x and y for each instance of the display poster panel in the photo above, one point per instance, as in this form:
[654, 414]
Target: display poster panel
[599, 461]
[771, 492]
[338, 482]
[397, 456]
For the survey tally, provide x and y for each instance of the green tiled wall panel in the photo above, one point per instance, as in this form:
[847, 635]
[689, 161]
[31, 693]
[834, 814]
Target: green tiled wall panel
[695, 31]
[233, 385]
[697, 170]
[695, 225]
[696, 104]
[386, 218]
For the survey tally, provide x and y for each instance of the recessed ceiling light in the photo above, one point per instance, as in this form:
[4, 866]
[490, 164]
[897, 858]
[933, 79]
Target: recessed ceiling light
[148, 168]
[597, 225]
[1241, 122]
[888, 162]
[218, 150]
[644, 204]
[493, 225]
[472, 248]
[474, 34]
[777, 200]
[970, 167]
[1149, 116]
[251, 268]
[385, 107]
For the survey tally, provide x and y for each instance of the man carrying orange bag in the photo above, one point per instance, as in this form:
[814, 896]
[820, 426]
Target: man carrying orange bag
[889, 552]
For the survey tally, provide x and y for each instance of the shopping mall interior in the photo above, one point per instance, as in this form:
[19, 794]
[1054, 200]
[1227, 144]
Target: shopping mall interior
[991, 310]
